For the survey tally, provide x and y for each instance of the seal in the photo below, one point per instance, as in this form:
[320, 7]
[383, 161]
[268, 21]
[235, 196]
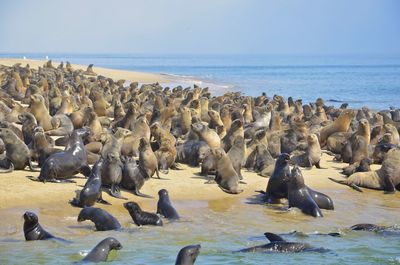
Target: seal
[277, 183]
[33, 230]
[41, 147]
[188, 255]
[278, 244]
[235, 130]
[73, 160]
[192, 152]
[101, 218]
[237, 154]
[100, 252]
[132, 178]
[17, 156]
[28, 125]
[225, 175]
[164, 206]
[312, 156]
[341, 124]
[111, 174]
[140, 217]
[264, 162]
[148, 164]
[40, 111]
[207, 135]
[386, 178]
[166, 155]
[91, 192]
[299, 195]
[62, 126]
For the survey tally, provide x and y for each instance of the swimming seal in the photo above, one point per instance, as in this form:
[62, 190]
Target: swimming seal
[278, 244]
[164, 206]
[102, 220]
[33, 230]
[188, 255]
[100, 252]
[140, 217]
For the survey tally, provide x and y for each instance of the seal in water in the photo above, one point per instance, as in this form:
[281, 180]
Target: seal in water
[299, 196]
[164, 206]
[100, 252]
[140, 217]
[33, 230]
[188, 255]
[101, 219]
[73, 160]
[91, 192]
[278, 244]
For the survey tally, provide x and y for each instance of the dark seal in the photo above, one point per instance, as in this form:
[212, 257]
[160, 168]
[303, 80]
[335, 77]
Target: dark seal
[100, 252]
[164, 206]
[140, 217]
[33, 230]
[101, 219]
[188, 255]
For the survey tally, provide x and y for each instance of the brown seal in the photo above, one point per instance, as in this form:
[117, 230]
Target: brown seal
[40, 111]
[41, 146]
[207, 135]
[130, 146]
[237, 154]
[386, 178]
[235, 130]
[18, 155]
[148, 164]
[226, 176]
[312, 156]
[341, 124]
[28, 125]
[214, 120]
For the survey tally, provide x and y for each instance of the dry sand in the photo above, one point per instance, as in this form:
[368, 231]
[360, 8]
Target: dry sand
[17, 190]
[112, 73]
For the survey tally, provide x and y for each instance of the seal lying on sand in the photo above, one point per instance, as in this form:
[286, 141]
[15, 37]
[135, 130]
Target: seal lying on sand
[386, 178]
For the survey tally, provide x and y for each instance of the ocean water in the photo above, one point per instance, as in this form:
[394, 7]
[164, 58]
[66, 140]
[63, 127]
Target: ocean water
[369, 80]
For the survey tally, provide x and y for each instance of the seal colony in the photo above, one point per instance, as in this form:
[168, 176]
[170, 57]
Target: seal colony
[131, 133]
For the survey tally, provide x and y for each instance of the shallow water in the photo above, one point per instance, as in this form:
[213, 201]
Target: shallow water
[360, 80]
[221, 227]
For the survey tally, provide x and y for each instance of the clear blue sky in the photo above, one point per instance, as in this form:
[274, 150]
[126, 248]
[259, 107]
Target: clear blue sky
[203, 26]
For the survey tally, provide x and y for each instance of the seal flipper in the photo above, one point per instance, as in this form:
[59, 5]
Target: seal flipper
[138, 193]
[116, 192]
[85, 170]
[102, 201]
[344, 182]
[389, 186]
[10, 169]
[274, 237]
[31, 167]
[318, 165]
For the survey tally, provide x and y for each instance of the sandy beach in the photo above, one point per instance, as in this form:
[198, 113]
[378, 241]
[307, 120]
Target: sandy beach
[112, 73]
[189, 191]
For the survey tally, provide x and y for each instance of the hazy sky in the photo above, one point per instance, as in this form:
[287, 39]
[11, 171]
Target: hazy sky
[203, 26]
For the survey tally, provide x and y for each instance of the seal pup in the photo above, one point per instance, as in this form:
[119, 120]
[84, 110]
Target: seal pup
[140, 217]
[102, 220]
[299, 195]
[192, 152]
[73, 160]
[225, 175]
[188, 255]
[91, 192]
[100, 252]
[111, 174]
[278, 244]
[164, 206]
[33, 230]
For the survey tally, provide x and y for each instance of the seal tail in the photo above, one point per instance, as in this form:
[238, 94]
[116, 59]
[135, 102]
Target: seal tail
[344, 182]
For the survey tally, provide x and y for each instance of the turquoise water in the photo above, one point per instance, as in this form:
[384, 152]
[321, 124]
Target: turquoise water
[359, 80]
